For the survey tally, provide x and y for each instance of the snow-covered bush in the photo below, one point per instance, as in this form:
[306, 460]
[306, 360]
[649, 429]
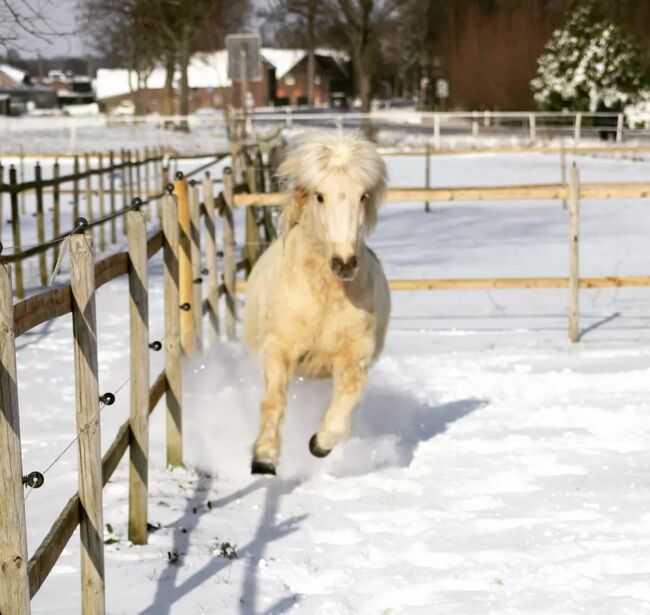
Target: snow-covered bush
[588, 64]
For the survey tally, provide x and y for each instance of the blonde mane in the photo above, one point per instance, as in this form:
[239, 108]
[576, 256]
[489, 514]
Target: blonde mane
[315, 154]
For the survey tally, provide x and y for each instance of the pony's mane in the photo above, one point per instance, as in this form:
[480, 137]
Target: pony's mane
[315, 154]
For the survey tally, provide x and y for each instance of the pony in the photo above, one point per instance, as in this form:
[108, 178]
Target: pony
[317, 300]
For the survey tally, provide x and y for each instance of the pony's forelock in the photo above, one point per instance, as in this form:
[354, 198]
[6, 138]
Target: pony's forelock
[314, 155]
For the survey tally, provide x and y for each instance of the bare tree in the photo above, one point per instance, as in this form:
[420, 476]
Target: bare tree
[21, 19]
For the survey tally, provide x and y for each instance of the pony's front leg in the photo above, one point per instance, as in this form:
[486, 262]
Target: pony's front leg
[350, 381]
[278, 369]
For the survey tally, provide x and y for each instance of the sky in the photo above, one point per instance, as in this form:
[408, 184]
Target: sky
[60, 16]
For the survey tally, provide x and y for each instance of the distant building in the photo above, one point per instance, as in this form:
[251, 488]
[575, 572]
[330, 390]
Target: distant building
[283, 81]
[70, 89]
[22, 93]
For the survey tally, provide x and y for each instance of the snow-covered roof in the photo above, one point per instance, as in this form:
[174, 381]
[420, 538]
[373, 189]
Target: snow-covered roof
[14, 74]
[205, 70]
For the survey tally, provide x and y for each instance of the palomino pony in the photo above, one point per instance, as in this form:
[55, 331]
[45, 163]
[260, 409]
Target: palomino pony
[317, 301]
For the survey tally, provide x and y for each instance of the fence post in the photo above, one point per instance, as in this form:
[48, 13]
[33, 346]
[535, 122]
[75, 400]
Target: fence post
[619, 128]
[147, 180]
[211, 256]
[139, 337]
[111, 187]
[89, 189]
[2, 198]
[577, 128]
[427, 175]
[436, 131]
[82, 282]
[15, 225]
[252, 248]
[130, 158]
[173, 394]
[532, 125]
[75, 188]
[229, 262]
[138, 172]
[56, 206]
[574, 275]
[125, 195]
[21, 179]
[195, 254]
[40, 223]
[14, 588]
[185, 286]
[100, 199]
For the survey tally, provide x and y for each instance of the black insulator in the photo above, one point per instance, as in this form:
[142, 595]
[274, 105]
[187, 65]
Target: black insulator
[170, 188]
[108, 399]
[81, 223]
[192, 183]
[198, 281]
[155, 346]
[204, 271]
[186, 307]
[207, 175]
[179, 175]
[136, 203]
[34, 480]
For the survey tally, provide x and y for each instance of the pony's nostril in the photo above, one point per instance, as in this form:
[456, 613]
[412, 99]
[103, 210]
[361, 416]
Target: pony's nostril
[353, 261]
[337, 264]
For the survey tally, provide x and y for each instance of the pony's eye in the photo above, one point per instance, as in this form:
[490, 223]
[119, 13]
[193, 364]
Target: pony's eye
[364, 197]
[320, 198]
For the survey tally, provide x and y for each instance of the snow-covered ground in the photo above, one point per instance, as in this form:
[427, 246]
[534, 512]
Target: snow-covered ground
[493, 466]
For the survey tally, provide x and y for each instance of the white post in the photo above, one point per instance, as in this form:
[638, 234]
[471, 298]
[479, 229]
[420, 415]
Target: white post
[436, 131]
[574, 274]
[619, 128]
[533, 128]
[475, 123]
[577, 128]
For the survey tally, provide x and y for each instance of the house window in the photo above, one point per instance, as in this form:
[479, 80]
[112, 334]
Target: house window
[290, 80]
[317, 80]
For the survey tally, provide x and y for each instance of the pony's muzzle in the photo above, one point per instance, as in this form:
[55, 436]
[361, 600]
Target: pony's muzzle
[345, 269]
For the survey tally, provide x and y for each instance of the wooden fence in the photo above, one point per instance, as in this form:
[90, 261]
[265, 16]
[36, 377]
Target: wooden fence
[185, 219]
[23, 577]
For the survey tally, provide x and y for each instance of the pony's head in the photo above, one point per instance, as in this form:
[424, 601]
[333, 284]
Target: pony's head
[336, 183]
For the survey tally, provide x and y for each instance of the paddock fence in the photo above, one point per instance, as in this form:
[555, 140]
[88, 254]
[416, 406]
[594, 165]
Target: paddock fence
[179, 238]
[198, 270]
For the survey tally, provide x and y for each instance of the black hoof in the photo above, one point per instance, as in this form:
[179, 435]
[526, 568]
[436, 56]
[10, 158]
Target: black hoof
[316, 450]
[262, 467]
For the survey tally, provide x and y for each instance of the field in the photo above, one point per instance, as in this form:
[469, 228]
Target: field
[493, 465]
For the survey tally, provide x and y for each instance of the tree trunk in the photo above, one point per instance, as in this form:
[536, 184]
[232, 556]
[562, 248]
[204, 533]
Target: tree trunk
[168, 91]
[311, 53]
[184, 61]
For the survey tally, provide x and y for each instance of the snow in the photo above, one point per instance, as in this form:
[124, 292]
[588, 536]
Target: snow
[492, 466]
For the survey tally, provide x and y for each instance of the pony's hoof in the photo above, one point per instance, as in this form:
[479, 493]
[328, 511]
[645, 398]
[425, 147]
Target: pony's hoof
[316, 450]
[262, 467]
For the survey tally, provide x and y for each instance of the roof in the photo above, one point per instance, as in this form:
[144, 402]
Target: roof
[13, 74]
[205, 70]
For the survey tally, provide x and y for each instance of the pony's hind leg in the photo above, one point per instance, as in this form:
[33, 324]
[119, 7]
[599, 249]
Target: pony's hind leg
[349, 384]
[266, 451]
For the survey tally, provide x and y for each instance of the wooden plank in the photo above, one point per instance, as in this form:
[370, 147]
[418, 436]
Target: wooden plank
[229, 264]
[154, 244]
[47, 554]
[211, 258]
[40, 224]
[15, 226]
[172, 333]
[185, 286]
[37, 309]
[101, 203]
[110, 267]
[507, 283]
[88, 425]
[14, 588]
[197, 277]
[596, 191]
[574, 259]
[139, 374]
[56, 213]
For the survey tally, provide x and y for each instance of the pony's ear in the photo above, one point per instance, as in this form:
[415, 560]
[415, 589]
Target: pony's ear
[294, 207]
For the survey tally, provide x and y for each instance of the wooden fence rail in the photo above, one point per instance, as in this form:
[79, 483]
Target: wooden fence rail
[22, 579]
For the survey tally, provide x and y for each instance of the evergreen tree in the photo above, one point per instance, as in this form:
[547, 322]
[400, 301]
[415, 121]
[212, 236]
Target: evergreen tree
[588, 64]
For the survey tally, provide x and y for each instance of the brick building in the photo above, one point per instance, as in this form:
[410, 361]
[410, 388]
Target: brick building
[283, 80]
